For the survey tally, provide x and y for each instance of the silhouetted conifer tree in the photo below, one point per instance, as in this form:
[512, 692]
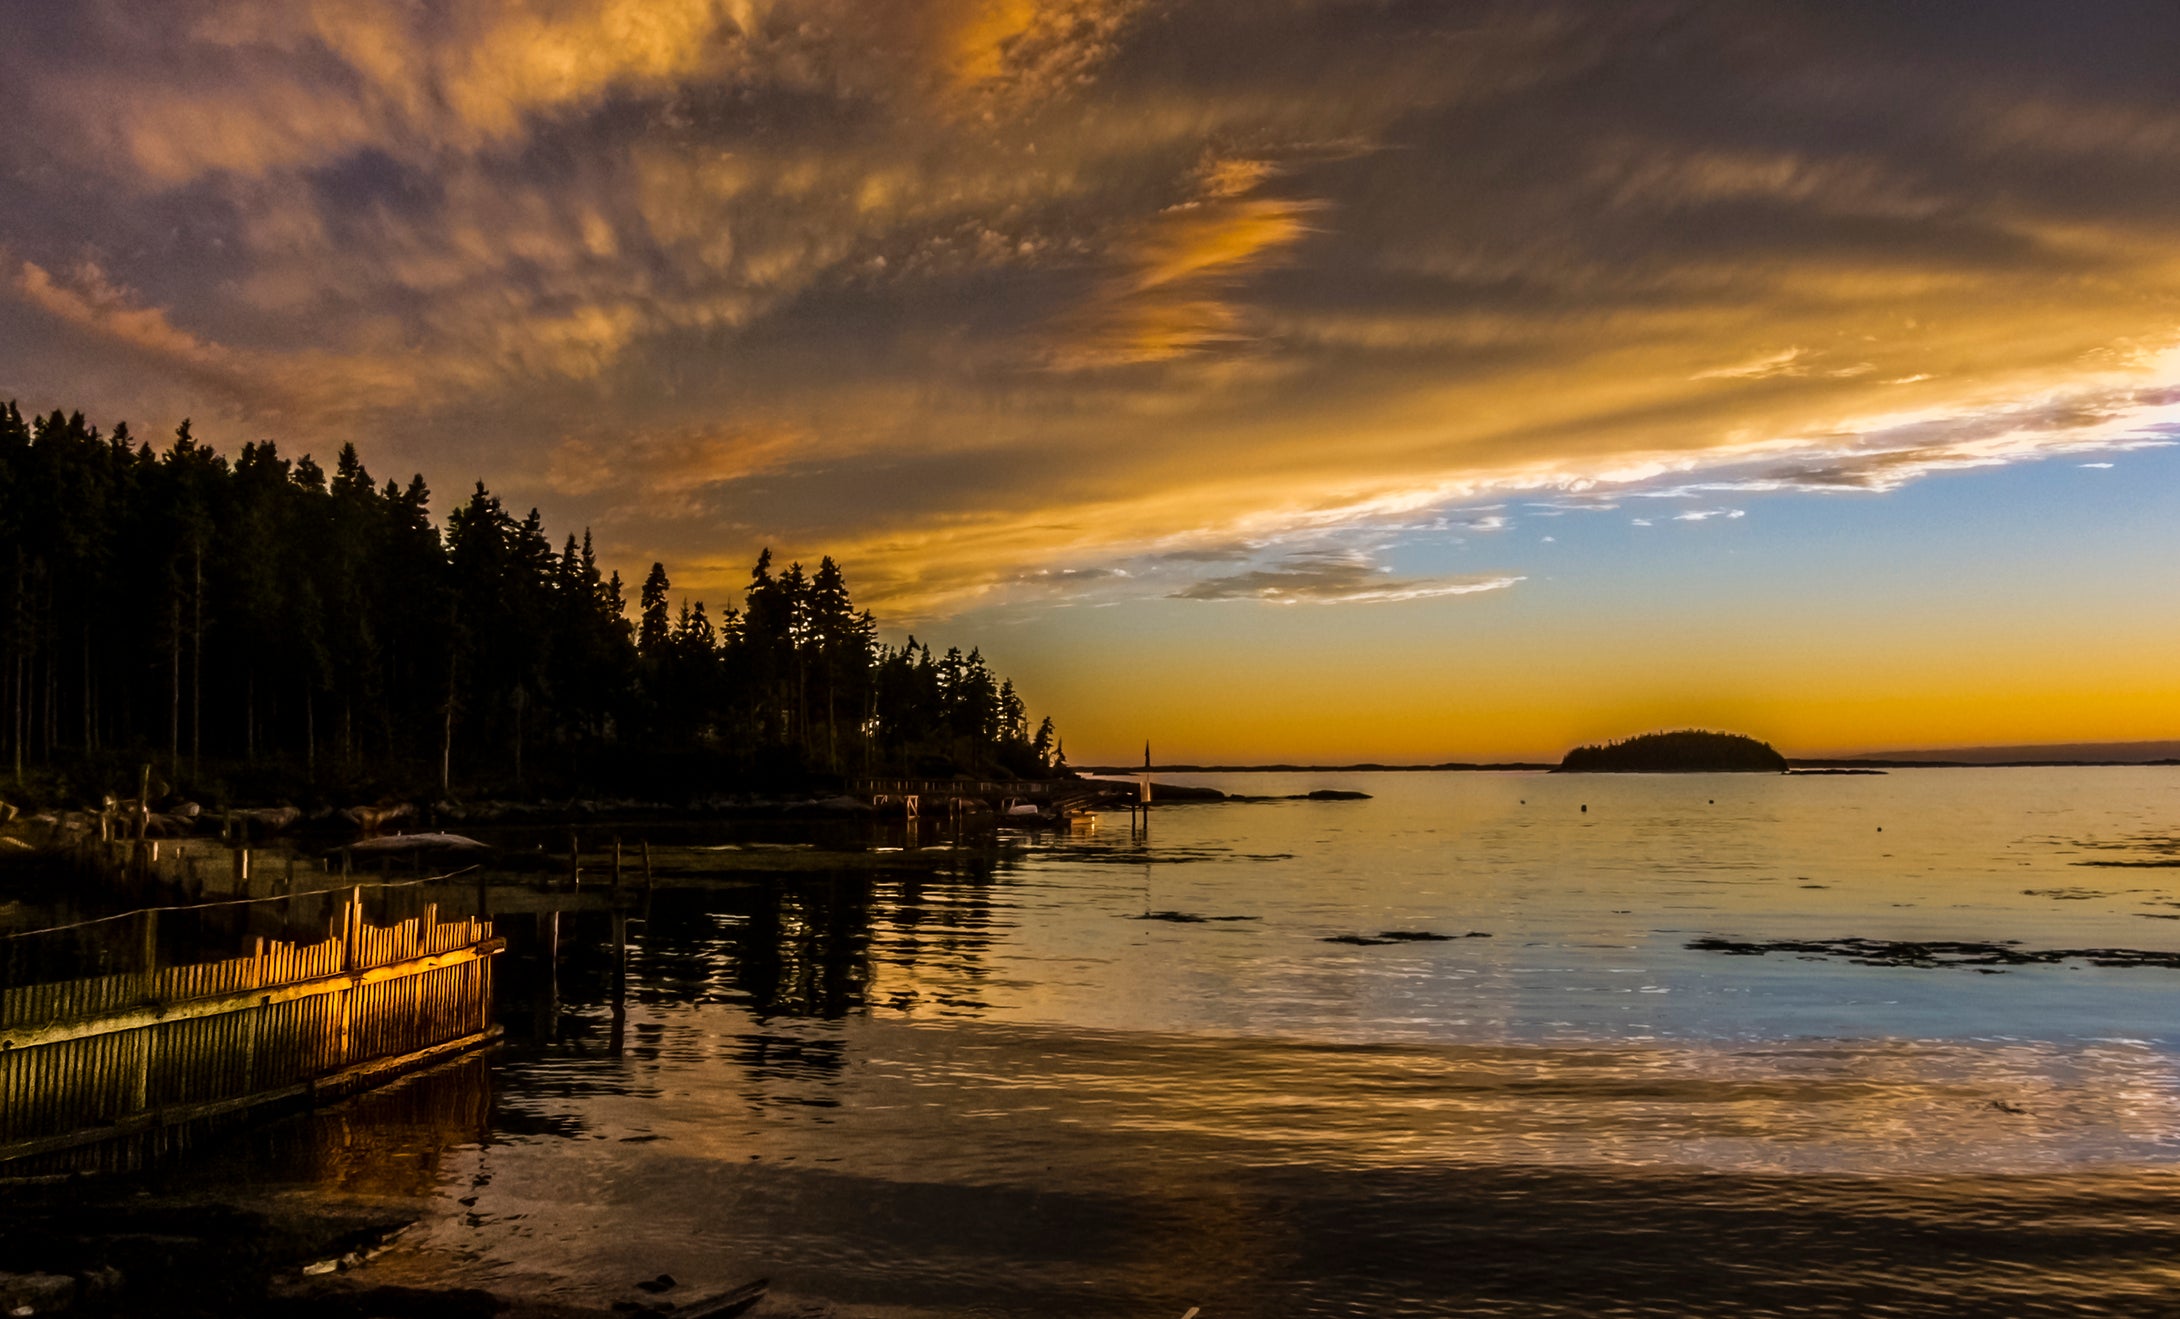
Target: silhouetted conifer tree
[270, 617]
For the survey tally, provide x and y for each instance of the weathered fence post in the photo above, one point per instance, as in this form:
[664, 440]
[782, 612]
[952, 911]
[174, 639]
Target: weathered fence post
[351, 928]
[143, 819]
[617, 1036]
[257, 1020]
[351, 922]
[620, 961]
[140, 1083]
[548, 926]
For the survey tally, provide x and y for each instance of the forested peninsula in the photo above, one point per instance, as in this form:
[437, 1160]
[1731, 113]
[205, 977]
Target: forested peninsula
[264, 626]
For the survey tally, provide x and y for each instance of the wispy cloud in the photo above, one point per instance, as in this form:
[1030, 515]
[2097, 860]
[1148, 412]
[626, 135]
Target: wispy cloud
[666, 474]
[1787, 362]
[92, 303]
[1334, 577]
[1175, 295]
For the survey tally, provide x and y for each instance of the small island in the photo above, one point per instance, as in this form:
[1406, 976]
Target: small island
[1690, 751]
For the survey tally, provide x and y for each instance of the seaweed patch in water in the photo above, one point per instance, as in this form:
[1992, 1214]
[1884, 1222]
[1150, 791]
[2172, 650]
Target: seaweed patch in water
[2153, 852]
[1178, 856]
[1936, 953]
[1383, 937]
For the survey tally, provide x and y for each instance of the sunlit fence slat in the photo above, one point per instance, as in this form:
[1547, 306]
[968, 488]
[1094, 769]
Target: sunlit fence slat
[89, 1061]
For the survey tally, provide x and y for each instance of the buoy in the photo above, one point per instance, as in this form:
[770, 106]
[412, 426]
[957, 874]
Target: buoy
[1585, 808]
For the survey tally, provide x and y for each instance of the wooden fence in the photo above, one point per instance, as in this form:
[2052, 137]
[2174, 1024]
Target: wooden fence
[90, 1060]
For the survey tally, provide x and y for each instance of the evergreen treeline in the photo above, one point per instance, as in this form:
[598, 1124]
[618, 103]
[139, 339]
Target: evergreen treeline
[269, 621]
[1685, 752]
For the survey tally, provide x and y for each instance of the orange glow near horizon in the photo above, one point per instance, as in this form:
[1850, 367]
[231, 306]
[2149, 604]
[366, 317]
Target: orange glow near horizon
[1212, 713]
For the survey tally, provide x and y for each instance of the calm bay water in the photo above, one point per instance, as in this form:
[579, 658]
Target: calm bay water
[1010, 1093]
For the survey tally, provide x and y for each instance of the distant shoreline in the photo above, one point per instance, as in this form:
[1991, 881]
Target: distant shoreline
[1461, 767]
[1451, 767]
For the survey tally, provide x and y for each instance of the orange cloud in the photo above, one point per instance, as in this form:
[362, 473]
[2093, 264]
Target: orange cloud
[95, 304]
[1029, 48]
[1174, 294]
[314, 387]
[466, 77]
[665, 473]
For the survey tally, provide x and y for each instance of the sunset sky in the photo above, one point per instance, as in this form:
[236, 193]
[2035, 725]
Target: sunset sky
[1272, 379]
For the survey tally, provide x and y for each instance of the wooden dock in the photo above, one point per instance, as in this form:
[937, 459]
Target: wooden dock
[97, 1060]
[954, 797]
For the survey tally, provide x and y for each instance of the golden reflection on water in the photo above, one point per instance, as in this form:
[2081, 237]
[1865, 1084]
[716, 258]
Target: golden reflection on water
[896, 1168]
[1005, 1093]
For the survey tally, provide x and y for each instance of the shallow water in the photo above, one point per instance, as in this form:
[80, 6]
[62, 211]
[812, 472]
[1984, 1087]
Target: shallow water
[1009, 1094]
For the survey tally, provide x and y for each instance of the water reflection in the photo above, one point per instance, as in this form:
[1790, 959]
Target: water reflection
[412, 1139]
[815, 948]
[955, 1169]
[1002, 1093]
